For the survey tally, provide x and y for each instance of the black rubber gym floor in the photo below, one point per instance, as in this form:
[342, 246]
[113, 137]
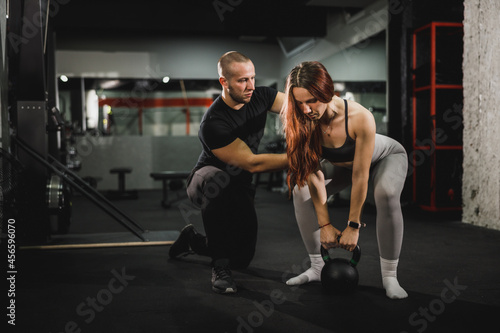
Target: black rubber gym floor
[450, 270]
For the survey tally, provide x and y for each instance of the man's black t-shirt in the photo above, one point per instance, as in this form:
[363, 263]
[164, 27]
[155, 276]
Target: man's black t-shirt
[221, 125]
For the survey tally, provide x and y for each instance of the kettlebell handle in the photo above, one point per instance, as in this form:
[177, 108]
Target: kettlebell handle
[356, 255]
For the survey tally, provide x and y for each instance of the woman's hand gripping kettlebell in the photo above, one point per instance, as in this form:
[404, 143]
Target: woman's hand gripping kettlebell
[349, 239]
[329, 236]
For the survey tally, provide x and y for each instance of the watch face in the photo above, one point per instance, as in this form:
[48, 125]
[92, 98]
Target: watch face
[354, 225]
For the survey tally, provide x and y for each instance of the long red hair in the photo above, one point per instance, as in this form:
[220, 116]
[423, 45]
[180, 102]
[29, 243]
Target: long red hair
[303, 138]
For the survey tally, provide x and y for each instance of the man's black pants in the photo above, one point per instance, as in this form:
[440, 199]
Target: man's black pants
[228, 214]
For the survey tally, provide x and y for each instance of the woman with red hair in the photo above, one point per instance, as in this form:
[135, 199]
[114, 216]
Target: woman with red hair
[332, 144]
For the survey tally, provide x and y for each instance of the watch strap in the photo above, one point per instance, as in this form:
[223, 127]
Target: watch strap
[356, 225]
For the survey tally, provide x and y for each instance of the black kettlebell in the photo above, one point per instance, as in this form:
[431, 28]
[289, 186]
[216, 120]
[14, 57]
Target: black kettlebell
[339, 275]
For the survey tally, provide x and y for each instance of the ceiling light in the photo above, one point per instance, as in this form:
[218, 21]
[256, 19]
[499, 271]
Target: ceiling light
[110, 84]
[165, 79]
[63, 78]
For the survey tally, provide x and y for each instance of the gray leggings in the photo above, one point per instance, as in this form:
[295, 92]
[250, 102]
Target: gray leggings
[388, 173]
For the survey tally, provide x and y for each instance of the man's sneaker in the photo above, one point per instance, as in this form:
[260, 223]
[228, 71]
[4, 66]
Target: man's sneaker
[222, 281]
[181, 245]
[198, 243]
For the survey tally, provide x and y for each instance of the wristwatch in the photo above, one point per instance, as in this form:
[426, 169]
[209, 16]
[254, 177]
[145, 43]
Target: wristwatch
[355, 225]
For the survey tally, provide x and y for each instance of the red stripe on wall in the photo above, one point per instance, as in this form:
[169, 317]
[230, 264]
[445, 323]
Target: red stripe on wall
[155, 102]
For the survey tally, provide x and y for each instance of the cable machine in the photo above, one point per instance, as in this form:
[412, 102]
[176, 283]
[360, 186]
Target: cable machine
[43, 197]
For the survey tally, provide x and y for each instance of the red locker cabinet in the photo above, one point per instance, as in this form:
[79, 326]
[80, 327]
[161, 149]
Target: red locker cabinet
[437, 103]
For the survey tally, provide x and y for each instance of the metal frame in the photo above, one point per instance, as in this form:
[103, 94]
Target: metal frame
[432, 87]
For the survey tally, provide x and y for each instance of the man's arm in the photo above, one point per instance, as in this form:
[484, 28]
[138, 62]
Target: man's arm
[239, 154]
[278, 102]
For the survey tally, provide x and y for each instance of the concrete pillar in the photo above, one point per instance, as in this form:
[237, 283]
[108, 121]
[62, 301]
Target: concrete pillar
[481, 139]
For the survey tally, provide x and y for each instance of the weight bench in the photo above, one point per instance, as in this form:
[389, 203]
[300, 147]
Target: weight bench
[166, 177]
[121, 193]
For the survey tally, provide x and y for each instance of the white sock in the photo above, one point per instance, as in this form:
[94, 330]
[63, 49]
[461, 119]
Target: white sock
[312, 274]
[389, 279]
